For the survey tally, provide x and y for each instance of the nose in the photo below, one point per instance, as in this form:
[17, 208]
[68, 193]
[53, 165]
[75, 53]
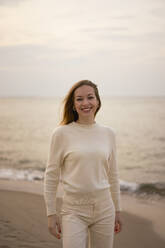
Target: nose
[85, 102]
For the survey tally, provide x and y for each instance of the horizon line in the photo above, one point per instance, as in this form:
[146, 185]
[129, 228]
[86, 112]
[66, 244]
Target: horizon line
[57, 96]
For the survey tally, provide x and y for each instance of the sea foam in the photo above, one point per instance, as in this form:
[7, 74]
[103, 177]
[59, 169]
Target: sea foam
[130, 187]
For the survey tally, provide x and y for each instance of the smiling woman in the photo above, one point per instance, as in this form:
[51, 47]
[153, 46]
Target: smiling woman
[85, 102]
[83, 98]
[83, 152]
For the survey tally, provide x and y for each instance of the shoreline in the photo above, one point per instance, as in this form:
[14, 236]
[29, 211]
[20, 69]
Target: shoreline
[139, 188]
[143, 219]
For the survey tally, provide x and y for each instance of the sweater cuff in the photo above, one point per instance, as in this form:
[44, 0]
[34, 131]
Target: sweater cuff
[51, 212]
[50, 206]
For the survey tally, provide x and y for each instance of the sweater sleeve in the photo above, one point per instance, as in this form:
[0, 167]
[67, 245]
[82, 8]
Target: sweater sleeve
[52, 173]
[113, 175]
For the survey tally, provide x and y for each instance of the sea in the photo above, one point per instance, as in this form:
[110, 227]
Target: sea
[26, 125]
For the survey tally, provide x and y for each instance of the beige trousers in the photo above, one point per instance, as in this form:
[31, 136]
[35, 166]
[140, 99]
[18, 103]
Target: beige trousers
[88, 220]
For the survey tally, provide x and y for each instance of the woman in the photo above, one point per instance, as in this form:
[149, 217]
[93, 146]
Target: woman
[83, 153]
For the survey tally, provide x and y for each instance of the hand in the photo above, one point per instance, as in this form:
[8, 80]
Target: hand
[118, 223]
[53, 221]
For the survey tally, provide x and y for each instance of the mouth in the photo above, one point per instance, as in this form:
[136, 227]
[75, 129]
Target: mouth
[86, 110]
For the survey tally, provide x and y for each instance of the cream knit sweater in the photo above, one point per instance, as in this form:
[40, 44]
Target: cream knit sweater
[85, 157]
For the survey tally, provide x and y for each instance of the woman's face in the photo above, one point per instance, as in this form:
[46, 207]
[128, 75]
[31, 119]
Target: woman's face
[85, 101]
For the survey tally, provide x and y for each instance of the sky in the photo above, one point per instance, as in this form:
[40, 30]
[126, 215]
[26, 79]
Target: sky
[47, 46]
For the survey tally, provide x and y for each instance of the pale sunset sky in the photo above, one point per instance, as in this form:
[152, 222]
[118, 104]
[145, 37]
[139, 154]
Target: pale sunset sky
[47, 45]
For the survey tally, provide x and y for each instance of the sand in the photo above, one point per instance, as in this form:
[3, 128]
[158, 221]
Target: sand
[23, 221]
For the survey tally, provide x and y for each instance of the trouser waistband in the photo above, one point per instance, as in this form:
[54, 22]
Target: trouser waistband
[86, 198]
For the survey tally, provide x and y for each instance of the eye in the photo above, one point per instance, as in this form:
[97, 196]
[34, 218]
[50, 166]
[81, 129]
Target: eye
[90, 97]
[79, 99]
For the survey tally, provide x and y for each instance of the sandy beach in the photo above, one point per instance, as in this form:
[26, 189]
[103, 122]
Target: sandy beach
[23, 221]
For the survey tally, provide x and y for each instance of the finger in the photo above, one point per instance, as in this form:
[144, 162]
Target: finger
[58, 227]
[58, 224]
[117, 228]
[120, 225]
[118, 222]
[54, 233]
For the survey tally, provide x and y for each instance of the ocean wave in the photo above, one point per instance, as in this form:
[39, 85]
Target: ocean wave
[18, 174]
[143, 188]
[130, 187]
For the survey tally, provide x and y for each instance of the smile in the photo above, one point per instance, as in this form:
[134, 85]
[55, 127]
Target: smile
[86, 109]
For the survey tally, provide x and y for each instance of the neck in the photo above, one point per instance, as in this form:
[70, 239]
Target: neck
[86, 121]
